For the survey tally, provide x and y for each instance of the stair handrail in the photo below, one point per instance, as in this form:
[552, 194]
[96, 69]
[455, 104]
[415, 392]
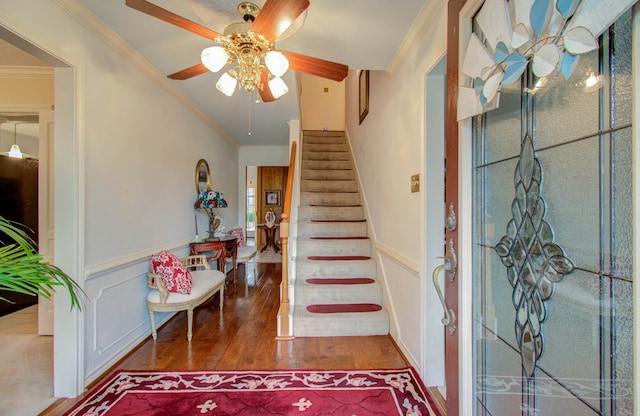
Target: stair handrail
[284, 331]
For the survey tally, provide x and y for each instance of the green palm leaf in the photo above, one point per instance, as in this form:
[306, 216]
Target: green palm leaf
[23, 270]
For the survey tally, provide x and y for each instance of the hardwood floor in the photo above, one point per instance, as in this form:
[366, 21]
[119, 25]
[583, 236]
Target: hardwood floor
[243, 338]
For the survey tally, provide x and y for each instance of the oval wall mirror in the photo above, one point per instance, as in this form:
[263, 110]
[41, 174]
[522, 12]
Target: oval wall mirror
[203, 177]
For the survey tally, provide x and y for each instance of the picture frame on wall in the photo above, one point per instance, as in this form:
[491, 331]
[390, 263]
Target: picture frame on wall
[364, 94]
[272, 198]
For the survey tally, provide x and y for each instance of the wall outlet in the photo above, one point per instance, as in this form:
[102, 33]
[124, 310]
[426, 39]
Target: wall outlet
[415, 183]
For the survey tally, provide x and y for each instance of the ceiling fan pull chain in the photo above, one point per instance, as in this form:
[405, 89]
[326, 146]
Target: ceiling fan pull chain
[250, 98]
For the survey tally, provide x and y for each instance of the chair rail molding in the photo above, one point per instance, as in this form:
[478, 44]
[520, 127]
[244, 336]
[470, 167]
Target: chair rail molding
[97, 270]
[409, 264]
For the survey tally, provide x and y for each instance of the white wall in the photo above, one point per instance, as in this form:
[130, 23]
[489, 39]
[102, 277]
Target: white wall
[132, 167]
[323, 102]
[389, 146]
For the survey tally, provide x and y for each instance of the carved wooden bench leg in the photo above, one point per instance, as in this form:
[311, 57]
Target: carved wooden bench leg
[154, 332]
[190, 323]
[221, 297]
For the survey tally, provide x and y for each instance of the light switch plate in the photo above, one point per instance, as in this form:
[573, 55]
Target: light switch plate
[415, 183]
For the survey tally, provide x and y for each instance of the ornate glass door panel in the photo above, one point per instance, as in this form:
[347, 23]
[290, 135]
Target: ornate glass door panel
[552, 241]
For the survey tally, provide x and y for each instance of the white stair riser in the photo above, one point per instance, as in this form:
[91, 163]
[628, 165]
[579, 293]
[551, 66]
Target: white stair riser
[328, 186]
[325, 155]
[329, 198]
[310, 294]
[335, 268]
[330, 213]
[334, 248]
[332, 229]
[326, 147]
[322, 135]
[326, 164]
[307, 324]
[324, 174]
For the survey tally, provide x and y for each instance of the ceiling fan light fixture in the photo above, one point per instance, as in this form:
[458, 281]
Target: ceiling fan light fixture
[276, 62]
[214, 58]
[278, 87]
[227, 84]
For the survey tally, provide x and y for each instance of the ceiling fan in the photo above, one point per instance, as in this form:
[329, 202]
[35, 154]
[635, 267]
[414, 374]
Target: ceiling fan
[248, 43]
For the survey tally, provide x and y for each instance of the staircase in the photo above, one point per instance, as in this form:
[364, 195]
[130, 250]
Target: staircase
[336, 290]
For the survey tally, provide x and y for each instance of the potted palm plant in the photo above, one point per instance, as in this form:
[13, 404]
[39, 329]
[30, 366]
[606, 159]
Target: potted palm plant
[23, 270]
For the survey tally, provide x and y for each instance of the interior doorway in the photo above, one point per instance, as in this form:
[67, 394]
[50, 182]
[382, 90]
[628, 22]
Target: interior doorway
[68, 340]
[434, 194]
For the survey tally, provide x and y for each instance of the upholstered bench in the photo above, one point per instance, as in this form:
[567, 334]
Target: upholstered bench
[205, 283]
[244, 252]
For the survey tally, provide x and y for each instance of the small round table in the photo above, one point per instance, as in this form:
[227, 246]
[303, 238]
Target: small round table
[270, 234]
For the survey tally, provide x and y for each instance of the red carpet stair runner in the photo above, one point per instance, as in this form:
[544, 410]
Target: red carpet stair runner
[336, 291]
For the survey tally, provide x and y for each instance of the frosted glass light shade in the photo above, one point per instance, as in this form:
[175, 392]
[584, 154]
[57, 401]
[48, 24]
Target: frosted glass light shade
[278, 87]
[214, 58]
[227, 84]
[277, 63]
[15, 151]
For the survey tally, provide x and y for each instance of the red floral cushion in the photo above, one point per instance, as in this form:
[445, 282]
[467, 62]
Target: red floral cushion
[237, 232]
[175, 276]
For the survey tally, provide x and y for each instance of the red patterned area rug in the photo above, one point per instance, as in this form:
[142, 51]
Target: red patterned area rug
[255, 393]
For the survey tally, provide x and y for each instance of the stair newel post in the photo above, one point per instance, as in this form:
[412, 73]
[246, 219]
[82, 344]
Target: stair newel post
[284, 237]
[284, 330]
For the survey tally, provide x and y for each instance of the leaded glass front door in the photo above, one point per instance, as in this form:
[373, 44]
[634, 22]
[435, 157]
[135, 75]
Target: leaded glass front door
[552, 266]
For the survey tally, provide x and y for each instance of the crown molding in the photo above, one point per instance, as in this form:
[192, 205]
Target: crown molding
[424, 20]
[31, 72]
[79, 12]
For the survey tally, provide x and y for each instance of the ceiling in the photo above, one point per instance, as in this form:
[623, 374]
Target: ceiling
[363, 34]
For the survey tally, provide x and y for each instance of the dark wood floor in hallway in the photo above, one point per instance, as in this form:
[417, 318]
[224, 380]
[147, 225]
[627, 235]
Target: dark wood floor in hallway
[243, 338]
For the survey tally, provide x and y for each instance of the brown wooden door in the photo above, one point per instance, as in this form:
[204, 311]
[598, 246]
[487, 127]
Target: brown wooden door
[271, 181]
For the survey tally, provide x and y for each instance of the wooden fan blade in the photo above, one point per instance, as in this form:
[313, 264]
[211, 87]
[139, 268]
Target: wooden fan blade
[316, 66]
[276, 16]
[265, 92]
[170, 17]
[190, 72]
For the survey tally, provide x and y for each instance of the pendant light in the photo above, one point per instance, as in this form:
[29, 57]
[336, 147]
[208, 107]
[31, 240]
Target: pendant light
[15, 149]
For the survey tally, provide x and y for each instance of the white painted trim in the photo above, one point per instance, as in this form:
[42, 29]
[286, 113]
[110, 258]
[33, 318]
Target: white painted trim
[23, 108]
[68, 359]
[99, 269]
[433, 213]
[380, 270]
[79, 12]
[465, 269]
[465, 232]
[398, 258]
[28, 72]
[423, 22]
[105, 366]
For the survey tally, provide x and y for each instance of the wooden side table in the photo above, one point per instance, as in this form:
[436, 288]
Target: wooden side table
[270, 234]
[231, 248]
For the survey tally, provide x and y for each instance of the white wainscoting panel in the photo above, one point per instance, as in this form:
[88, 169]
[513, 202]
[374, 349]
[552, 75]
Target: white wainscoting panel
[116, 316]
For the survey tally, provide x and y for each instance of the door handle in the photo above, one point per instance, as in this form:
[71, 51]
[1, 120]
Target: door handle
[449, 265]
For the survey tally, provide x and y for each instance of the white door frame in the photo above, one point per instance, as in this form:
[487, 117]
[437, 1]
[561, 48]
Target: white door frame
[433, 356]
[68, 342]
